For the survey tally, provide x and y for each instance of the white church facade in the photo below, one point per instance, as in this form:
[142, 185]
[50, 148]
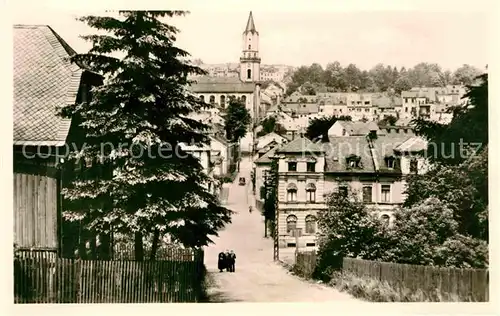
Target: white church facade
[246, 87]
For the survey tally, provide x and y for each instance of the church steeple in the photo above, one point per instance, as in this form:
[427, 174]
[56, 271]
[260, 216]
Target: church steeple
[250, 60]
[250, 25]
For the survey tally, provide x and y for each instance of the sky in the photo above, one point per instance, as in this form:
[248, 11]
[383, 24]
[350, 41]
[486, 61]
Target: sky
[397, 38]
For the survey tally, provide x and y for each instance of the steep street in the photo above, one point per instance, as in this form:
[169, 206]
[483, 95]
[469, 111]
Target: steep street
[257, 277]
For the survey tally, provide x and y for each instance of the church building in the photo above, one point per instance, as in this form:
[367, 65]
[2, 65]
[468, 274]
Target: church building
[246, 87]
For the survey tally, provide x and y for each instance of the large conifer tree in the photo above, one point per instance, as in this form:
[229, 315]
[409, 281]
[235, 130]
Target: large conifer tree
[144, 104]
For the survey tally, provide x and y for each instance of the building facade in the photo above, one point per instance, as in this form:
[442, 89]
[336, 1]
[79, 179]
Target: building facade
[368, 164]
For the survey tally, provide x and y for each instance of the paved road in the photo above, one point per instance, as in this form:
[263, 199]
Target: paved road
[257, 277]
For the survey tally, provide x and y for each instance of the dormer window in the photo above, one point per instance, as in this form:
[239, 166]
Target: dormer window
[390, 162]
[353, 161]
[292, 166]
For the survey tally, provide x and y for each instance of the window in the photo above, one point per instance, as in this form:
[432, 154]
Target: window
[311, 192]
[311, 167]
[386, 193]
[406, 110]
[202, 98]
[291, 191]
[343, 132]
[249, 47]
[310, 224]
[367, 194]
[212, 99]
[292, 166]
[385, 219]
[244, 98]
[353, 162]
[291, 223]
[222, 100]
[389, 161]
[343, 190]
[413, 166]
[249, 74]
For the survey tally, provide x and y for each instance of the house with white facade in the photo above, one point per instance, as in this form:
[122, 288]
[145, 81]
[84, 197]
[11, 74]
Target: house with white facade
[203, 154]
[300, 191]
[372, 167]
[265, 140]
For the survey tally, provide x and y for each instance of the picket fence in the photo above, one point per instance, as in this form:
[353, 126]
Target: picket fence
[41, 278]
[464, 284]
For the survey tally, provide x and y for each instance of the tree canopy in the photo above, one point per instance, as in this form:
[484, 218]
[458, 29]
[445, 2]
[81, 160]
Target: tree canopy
[466, 134]
[237, 120]
[270, 125]
[337, 78]
[133, 126]
[318, 127]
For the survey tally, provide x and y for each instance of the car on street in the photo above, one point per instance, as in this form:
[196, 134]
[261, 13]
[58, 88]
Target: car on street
[242, 181]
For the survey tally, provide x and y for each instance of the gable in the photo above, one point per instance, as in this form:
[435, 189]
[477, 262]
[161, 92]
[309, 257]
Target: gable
[44, 80]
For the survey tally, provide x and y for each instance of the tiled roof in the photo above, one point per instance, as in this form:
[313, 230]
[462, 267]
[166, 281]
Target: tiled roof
[339, 148]
[43, 81]
[413, 144]
[359, 128]
[207, 84]
[301, 145]
[384, 146]
[301, 108]
[372, 159]
[266, 158]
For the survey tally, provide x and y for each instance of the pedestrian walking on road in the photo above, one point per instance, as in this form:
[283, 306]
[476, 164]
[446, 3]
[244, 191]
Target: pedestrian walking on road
[232, 261]
[250, 209]
[222, 261]
[227, 261]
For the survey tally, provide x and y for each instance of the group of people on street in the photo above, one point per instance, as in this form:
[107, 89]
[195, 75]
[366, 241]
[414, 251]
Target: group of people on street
[227, 261]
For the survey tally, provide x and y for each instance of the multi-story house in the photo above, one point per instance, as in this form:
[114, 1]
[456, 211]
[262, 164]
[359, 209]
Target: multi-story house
[372, 166]
[300, 190]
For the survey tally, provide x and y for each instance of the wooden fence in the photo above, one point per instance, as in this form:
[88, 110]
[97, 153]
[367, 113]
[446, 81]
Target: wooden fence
[39, 279]
[464, 284]
[127, 252]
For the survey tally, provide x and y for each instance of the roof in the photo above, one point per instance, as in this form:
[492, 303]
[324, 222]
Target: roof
[339, 148]
[266, 158]
[372, 159]
[413, 144]
[384, 146]
[220, 138]
[301, 145]
[301, 108]
[250, 25]
[221, 85]
[43, 81]
[359, 128]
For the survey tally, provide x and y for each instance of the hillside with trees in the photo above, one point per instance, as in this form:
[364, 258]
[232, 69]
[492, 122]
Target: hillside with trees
[381, 78]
